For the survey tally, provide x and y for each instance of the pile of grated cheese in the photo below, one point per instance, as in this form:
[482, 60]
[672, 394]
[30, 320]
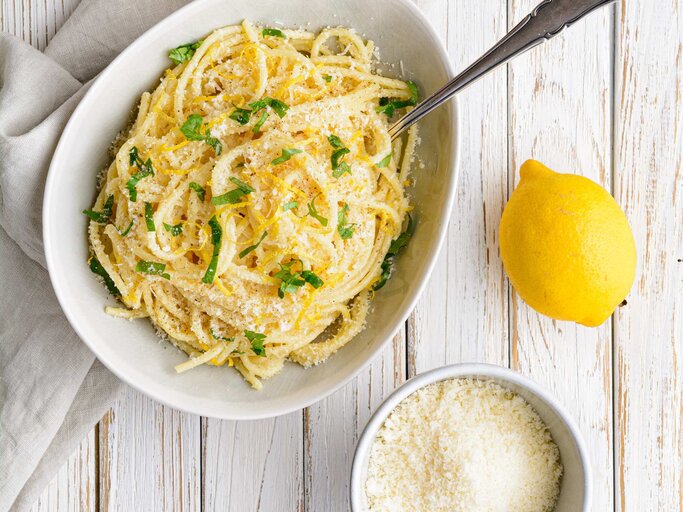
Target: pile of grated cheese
[463, 445]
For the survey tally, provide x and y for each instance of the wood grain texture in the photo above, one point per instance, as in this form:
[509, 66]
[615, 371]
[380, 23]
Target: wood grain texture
[149, 457]
[253, 465]
[74, 488]
[35, 21]
[560, 113]
[462, 315]
[648, 183]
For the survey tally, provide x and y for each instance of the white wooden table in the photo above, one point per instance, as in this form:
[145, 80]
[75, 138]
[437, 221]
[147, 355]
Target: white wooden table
[605, 100]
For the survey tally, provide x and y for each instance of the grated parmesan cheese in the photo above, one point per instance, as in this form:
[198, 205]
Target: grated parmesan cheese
[463, 445]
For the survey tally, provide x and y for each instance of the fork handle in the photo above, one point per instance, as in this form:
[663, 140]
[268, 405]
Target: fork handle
[547, 20]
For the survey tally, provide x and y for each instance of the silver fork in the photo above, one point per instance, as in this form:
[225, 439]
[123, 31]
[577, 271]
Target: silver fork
[547, 20]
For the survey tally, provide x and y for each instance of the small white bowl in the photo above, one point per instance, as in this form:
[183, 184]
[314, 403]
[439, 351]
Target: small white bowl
[575, 487]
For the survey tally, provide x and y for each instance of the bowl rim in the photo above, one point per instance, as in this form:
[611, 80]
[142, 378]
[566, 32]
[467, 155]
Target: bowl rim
[283, 407]
[454, 371]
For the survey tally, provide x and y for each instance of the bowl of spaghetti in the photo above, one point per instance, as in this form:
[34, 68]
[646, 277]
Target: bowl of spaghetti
[227, 222]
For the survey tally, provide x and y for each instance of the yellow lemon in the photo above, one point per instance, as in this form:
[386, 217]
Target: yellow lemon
[566, 246]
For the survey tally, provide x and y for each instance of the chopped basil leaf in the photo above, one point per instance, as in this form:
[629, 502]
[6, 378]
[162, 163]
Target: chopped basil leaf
[313, 212]
[235, 195]
[104, 216]
[273, 32]
[338, 166]
[286, 155]
[403, 238]
[152, 268]
[389, 106]
[384, 162]
[127, 230]
[259, 123]
[149, 217]
[312, 279]
[241, 115]
[335, 141]
[256, 339]
[345, 230]
[201, 193]
[97, 268]
[289, 206]
[216, 235]
[144, 169]
[290, 282]
[253, 247]
[341, 169]
[327, 78]
[279, 107]
[394, 248]
[217, 337]
[175, 230]
[191, 128]
[184, 52]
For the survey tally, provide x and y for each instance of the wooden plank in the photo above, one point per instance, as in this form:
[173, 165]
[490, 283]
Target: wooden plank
[35, 21]
[253, 465]
[462, 315]
[74, 488]
[332, 428]
[649, 185]
[149, 457]
[560, 113]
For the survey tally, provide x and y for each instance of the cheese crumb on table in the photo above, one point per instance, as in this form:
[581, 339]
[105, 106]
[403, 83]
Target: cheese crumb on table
[463, 445]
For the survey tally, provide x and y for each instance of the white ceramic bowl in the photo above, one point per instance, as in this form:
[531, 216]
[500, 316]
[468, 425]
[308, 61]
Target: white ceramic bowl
[130, 349]
[575, 488]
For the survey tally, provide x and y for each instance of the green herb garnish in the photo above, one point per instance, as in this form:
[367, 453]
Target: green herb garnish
[97, 268]
[286, 155]
[312, 279]
[390, 106]
[152, 268]
[273, 32]
[127, 230]
[235, 195]
[313, 212]
[345, 230]
[279, 107]
[256, 339]
[289, 206]
[192, 129]
[259, 123]
[144, 169]
[253, 247]
[384, 162]
[327, 78]
[394, 248]
[292, 281]
[201, 193]
[241, 115]
[338, 166]
[103, 217]
[217, 337]
[216, 235]
[175, 230]
[149, 217]
[184, 52]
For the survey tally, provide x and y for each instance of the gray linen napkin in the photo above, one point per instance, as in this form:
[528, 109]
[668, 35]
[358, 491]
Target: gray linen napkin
[52, 391]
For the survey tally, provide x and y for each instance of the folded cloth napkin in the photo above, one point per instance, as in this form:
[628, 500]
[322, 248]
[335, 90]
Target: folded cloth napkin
[52, 391]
